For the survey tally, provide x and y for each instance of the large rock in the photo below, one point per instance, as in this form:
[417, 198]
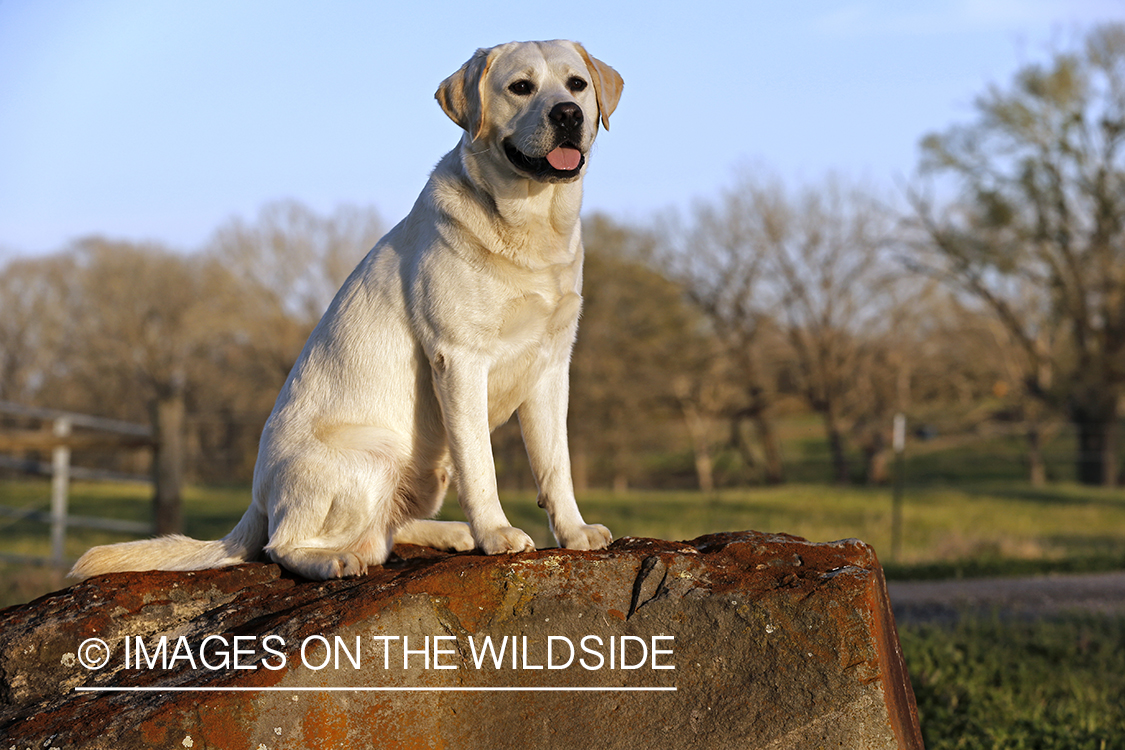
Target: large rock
[731, 640]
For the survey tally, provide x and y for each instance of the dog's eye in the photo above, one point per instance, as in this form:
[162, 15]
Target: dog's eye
[521, 88]
[575, 84]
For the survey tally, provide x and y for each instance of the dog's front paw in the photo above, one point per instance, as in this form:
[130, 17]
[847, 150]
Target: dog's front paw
[505, 540]
[587, 536]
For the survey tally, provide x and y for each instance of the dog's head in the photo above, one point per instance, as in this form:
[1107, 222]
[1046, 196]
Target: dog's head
[536, 103]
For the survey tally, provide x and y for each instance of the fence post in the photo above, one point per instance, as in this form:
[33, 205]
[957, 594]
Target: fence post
[60, 483]
[168, 464]
[899, 444]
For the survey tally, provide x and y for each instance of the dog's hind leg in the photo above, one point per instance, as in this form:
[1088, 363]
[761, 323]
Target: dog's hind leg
[334, 503]
[423, 497]
[319, 564]
[344, 545]
[446, 535]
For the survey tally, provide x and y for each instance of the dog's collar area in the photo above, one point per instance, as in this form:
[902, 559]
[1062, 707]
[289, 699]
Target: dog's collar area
[539, 168]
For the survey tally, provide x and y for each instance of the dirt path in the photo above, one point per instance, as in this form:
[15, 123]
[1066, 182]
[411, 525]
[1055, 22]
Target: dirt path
[929, 601]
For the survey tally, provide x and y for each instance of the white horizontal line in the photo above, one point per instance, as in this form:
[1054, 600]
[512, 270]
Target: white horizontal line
[386, 689]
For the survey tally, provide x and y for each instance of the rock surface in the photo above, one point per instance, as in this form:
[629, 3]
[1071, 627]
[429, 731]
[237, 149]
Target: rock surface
[730, 640]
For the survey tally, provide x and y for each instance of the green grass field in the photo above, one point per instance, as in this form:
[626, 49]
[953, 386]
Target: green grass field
[1000, 528]
[980, 684]
[1050, 685]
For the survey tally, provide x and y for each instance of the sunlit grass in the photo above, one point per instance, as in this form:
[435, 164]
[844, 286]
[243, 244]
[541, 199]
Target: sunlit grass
[939, 525]
[984, 529]
[1006, 520]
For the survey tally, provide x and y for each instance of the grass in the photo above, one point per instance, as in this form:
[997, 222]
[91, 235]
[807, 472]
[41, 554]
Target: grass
[1051, 685]
[1000, 529]
[988, 529]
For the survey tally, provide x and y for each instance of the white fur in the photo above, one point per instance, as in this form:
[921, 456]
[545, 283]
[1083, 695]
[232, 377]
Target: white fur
[462, 314]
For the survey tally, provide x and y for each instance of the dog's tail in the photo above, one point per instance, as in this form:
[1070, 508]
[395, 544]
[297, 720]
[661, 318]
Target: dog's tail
[176, 552]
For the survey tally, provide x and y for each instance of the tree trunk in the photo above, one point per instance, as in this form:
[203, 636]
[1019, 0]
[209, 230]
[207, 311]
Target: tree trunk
[1037, 467]
[704, 469]
[1096, 462]
[840, 470]
[1093, 411]
[738, 440]
[763, 427]
[875, 455]
[168, 464]
[775, 472]
[697, 430]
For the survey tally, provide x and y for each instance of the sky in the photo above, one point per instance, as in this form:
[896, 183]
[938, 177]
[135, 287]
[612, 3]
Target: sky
[161, 121]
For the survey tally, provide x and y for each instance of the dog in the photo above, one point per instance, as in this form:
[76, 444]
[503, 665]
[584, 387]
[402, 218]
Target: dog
[463, 314]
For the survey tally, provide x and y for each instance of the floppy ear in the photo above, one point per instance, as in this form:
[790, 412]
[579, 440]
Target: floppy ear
[607, 84]
[461, 95]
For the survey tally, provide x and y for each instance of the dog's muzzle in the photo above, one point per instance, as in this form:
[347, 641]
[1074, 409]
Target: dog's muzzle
[562, 163]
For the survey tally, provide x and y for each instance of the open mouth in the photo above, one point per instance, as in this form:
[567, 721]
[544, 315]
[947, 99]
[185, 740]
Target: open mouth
[563, 163]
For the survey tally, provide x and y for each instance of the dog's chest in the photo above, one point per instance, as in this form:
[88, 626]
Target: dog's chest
[535, 320]
[534, 306]
[535, 333]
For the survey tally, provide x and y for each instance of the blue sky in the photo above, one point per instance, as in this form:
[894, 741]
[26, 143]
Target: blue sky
[161, 120]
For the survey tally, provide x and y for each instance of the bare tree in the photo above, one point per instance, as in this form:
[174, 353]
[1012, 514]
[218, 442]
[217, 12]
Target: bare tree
[636, 336]
[973, 372]
[143, 321]
[33, 327]
[291, 261]
[826, 249]
[810, 269]
[1038, 230]
[718, 262]
[197, 343]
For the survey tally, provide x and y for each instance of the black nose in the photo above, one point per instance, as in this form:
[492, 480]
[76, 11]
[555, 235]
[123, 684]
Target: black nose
[568, 115]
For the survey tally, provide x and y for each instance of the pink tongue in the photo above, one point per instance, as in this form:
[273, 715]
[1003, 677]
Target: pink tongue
[564, 159]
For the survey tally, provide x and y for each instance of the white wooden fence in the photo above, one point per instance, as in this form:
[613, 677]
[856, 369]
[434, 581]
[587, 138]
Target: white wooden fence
[61, 439]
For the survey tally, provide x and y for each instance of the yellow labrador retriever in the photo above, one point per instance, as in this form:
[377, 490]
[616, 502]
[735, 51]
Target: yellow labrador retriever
[463, 314]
